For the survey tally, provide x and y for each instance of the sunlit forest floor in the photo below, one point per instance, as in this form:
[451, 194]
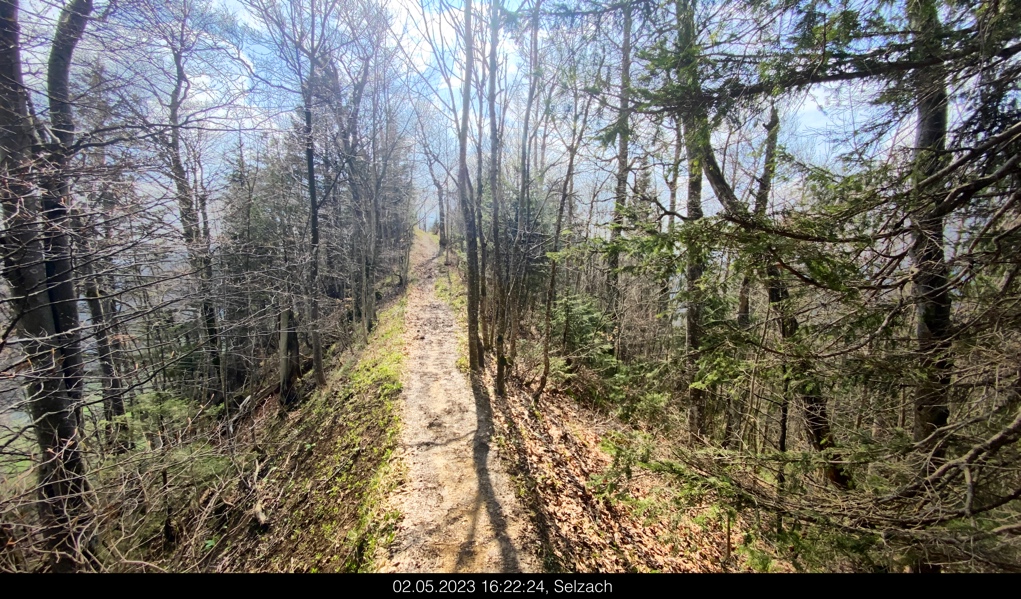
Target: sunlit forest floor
[459, 512]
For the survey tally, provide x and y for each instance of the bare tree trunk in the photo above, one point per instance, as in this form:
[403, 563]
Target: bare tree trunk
[477, 194]
[113, 389]
[313, 271]
[695, 266]
[55, 201]
[372, 260]
[518, 267]
[804, 382]
[744, 319]
[933, 304]
[197, 245]
[443, 216]
[471, 237]
[781, 444]
[807, 387]
[735, 406]
[288, 352]
[672, 177]
[38, 268]
[364, 284]
[500, 291]
[432, 159]
[102, 310]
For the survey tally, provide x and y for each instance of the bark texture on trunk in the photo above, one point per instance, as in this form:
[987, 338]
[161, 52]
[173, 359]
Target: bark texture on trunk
[313, 267]
[929, 283]
[196, 241]
[500, 284]
[39, 269]
[467, 212]
[566, 190]
[695, 128]
[623, 170]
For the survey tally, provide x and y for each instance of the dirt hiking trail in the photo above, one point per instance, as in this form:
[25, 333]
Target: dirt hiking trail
[460, 512]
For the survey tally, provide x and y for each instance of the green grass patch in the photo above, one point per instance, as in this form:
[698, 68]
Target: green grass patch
[434, 236]
[341, 466]
[450, 288]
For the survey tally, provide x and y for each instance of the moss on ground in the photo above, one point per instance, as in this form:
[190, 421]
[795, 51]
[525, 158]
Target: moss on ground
[330, 468]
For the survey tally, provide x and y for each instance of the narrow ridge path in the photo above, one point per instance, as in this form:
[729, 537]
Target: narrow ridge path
[460, 512]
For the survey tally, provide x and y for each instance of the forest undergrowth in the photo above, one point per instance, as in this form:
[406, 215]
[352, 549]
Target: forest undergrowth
[327, 469]
[595, 485]
[288, 489]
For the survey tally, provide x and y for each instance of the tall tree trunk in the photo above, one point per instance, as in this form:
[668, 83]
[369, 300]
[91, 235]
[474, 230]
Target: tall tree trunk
[56, 198]
[800, 372]
[197, 246]
[695, 127]
[39, 270]
[735, 407]
[694, 267]
[443, 216]
[930, 291]
[373, 258]
[440, 186]
[518, 267]
[113, 389]
[102, 310]
[744, 316]
[288, 352]
[799, 377]
[672, 177]
[478, 195]
[313, 270]
[471, 237]
[623, 130]
[929, 283]
[500, 291]
[363, 281]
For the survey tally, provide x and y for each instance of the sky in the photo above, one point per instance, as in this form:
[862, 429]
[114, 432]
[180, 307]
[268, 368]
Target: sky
[812, 122]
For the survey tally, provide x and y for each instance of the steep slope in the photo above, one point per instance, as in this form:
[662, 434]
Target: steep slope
[311, 499]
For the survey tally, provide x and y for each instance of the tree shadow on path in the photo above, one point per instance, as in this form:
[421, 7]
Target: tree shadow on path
[486, 493]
